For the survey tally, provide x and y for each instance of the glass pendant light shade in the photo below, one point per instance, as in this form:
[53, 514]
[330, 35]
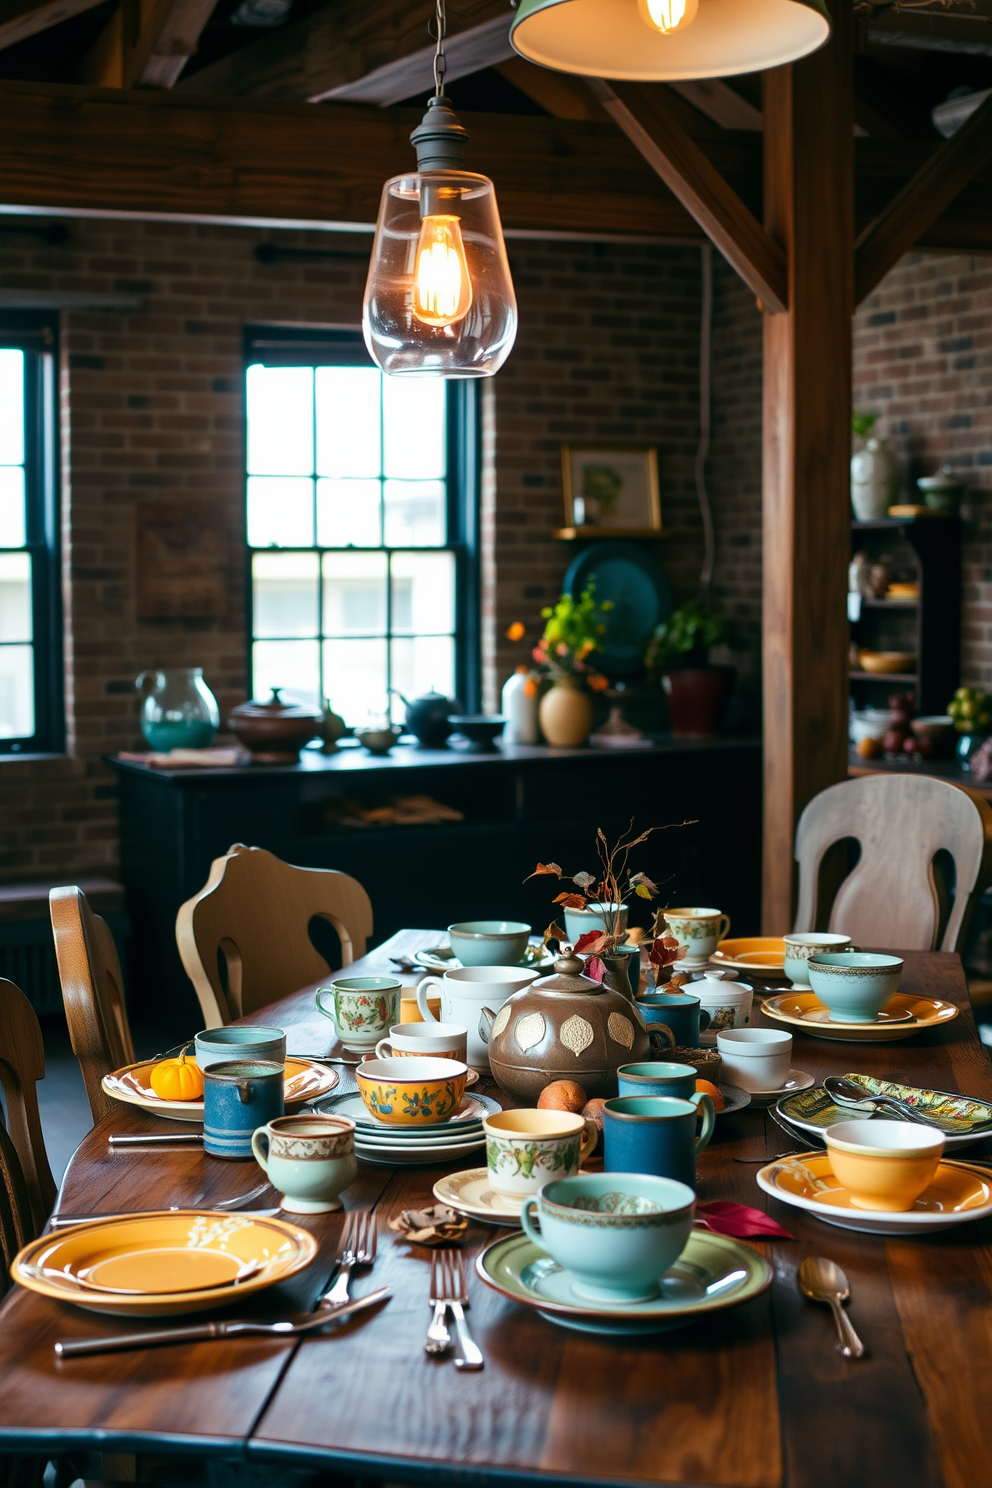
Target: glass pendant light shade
[651, 40]
[439, 299]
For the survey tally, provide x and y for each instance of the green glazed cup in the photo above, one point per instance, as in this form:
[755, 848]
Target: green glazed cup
[365, 1008]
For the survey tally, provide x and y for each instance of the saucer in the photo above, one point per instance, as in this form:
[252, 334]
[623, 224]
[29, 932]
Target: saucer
[813, 1111]
[421, 1155]
[471, 1192]
[304, 1081]
[798, 1080]
[712, 1272]
[470, 1113]
[734, 1099]
[443, 958]
[903, 1015]
[956, 1195]
[764, 955]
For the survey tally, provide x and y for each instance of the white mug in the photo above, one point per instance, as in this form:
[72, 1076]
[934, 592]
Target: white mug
[465, 991]
[756, 1059]
[438, 1040]
[310, 1160]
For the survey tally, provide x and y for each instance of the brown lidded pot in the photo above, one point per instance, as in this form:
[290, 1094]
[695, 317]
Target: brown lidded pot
[275, 731]
[563, 1027]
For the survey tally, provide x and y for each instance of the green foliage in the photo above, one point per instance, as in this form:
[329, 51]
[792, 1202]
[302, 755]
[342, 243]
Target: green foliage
[689, 631]
[573, 630]
[863, 423]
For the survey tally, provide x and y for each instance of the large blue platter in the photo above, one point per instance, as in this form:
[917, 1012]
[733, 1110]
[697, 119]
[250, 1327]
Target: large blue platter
[639, 591]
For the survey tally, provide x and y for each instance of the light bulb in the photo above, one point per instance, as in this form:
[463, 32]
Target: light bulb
[442, 286]
[667, 15]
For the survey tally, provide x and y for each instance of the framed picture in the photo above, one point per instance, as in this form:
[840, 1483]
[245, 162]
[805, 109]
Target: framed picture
[611, 487]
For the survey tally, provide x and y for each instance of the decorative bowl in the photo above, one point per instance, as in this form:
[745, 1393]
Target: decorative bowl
[884, 662]
[489, 942]
[377, 741]
[855, 986]
[883, 1164]
[411, 1092]
[480, 729]
[275, 731]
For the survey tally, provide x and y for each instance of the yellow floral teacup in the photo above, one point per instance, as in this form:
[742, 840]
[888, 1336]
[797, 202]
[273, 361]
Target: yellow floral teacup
[412, 1092]
[883, 1164]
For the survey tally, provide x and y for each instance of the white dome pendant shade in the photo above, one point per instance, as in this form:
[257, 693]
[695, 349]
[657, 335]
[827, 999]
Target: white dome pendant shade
[655, 40]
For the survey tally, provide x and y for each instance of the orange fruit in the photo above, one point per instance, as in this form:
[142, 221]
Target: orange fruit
[708, 1088]
[562, 1095]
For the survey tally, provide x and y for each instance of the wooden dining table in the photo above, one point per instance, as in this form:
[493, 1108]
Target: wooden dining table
[756, 1396]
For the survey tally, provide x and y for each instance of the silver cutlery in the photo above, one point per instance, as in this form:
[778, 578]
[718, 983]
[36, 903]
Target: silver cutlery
[454, 1292]
[774, 1157]
[845, 1092]
[790, 1132]
[358, 1248]
[146, 1139]
[438, 1339]
[823, 1281]
[72, 1348]
[325, 1059]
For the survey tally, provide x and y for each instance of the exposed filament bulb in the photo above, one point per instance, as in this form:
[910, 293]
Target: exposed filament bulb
[442, 286]
[667, 15]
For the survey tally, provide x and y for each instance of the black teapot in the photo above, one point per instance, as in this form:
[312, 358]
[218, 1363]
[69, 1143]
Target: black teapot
[427, 717]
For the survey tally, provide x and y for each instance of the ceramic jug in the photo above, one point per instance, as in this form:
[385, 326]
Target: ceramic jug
[874, 480]
[179, 710]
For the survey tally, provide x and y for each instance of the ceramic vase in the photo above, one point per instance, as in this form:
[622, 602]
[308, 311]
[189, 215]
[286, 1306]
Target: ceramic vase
[874, 480]
[697, 699]
[566, 713]
[179, 710]
[518, 706]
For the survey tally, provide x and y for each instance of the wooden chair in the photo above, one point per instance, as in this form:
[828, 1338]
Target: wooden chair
[895, 895]
[93, 993]
[256, 910]
[22, 1063]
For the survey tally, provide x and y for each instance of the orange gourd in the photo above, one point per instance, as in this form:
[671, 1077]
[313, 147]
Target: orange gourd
[176, 1079]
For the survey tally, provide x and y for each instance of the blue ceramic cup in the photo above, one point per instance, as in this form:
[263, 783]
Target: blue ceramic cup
[658, 1078]
[616, 1233]
[238, 1098]
[854, 985]
[679, 1011]
[656, 1134]
[489, 942]
[239, 1041]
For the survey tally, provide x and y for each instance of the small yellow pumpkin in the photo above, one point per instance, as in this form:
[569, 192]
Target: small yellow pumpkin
[176, 1079]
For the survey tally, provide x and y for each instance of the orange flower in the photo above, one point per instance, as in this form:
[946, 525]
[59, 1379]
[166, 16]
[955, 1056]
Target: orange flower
[516, 631]
[597, 681]
[530, 687]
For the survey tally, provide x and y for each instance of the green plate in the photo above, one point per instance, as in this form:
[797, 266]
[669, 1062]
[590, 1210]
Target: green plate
[702, 1280]
[813, 1111]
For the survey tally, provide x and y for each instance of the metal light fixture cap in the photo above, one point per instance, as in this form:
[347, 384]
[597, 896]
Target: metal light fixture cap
[440, 139]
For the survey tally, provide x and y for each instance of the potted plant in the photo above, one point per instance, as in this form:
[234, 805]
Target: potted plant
[572, 634]
[697, 692]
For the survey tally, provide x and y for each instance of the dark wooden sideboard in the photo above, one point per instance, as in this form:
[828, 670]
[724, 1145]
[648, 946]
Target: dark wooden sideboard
[520, 805]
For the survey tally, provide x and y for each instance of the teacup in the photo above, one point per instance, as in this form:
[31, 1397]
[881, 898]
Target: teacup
[526, 1149]
[581, 921]
[883, 1164]
[659, 1077]
[309, 1160]
[699, 930]
[617, 1233]
[656, 1134]
[756, 1059]
[465, 991]
[681, 1012]
[410, 1012]
[489, 942]
[221, 1045]
[436, 1040]
[855, 986]
[799, 948]
[411, 1092]
[364, 1008]
[239, 1097]
[727, 1001]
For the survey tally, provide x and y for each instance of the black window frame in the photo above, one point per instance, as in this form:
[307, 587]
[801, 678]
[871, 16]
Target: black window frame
[36, 333]
[295, 346]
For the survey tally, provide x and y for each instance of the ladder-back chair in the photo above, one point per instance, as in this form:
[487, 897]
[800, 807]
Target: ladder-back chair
[22, 1063]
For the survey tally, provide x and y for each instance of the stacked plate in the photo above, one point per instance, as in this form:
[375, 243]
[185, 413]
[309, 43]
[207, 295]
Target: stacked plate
[446, 1141]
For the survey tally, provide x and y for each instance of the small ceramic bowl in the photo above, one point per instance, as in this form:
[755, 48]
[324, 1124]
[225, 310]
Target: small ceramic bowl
[480, 729]
[756, 1059]
[412, 1092]
[883, 1164]
[799, 948]
[377, 741]
[855, 985]
[219, 1045]
[489, 942]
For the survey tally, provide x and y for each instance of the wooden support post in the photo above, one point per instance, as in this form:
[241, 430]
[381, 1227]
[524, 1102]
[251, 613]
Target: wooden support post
[809, 209]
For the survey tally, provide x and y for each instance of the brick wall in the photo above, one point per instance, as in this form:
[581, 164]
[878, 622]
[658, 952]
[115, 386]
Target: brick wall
[152, 411]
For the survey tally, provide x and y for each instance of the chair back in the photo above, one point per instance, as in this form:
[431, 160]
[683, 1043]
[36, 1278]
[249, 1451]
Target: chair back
[255, 910]
[894, 895]
[17, 1225]
[93, 993]
[22, 1063]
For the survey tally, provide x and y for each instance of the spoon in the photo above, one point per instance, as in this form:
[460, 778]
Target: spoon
[846, 1093]
[823, 1281]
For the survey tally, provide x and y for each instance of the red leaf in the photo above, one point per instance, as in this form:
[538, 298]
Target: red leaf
[739, 1220]
[592, 941]
[594, 968]
[571, 901]
[551, 868]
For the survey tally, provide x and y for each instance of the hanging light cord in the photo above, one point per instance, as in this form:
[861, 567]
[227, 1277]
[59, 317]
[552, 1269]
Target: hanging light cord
[440, 61]
[703, 449]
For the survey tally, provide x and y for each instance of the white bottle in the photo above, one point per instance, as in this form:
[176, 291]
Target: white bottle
[519, 708]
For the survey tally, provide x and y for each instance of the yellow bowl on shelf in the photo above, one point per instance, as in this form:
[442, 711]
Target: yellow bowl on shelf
[418, 1091]
[884, 662]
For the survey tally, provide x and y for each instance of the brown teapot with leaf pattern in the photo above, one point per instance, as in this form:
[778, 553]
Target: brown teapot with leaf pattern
[565, 1027]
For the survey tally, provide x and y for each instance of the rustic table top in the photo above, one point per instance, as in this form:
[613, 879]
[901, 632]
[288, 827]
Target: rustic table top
[757, 1397]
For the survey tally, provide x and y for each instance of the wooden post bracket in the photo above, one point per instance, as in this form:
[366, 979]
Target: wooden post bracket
[650, 124]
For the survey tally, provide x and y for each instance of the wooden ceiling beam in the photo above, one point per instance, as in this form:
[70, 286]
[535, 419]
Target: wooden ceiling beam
[719, 102]
[168, 36]
[361, 51]
[20, 19]
[644, 115]
[968, 29]
[922, 200]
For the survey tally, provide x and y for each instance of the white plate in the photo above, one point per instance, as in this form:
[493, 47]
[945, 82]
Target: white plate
[798, 1080]
[924, 1218]
[306, 1077]
[375, 1139]
[423, 1156]
[471, 1192]
[442, 958]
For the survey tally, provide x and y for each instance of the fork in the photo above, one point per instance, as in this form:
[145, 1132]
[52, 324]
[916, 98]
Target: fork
[358, 1247]
[454, 1292]
[438, 1339]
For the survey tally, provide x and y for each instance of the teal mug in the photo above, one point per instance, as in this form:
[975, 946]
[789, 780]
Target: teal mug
[656, 1134]
[678, 1011]
[658, 1078]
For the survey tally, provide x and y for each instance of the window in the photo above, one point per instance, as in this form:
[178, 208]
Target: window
[30, 653]
[361, 501]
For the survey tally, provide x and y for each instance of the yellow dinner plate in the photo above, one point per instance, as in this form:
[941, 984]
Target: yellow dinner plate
[957, 1194]
[304, 1081]
[902, 1016]
[764, 955]
[178, 1261]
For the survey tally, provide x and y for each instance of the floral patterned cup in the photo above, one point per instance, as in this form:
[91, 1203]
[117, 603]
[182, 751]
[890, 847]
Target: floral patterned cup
[365, 1008]
[411, 1092]
[526, 1149]
[699, 930]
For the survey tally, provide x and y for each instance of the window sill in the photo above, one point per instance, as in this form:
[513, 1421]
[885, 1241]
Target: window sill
[31, 758]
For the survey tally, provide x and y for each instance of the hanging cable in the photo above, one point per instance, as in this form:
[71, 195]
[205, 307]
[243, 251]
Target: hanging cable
[440, 61]
[703, 449]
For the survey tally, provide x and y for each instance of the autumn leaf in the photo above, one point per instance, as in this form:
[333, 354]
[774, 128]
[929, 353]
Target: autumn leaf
[592, 942]
[666, 951]
[643, 892]
[584, 880]
[571, 901]
[594, 968]
[553, 932]
[549, 868]
[641, 883]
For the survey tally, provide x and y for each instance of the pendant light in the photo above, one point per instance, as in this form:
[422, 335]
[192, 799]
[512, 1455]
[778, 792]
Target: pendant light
[439, 300]
[651, 40]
